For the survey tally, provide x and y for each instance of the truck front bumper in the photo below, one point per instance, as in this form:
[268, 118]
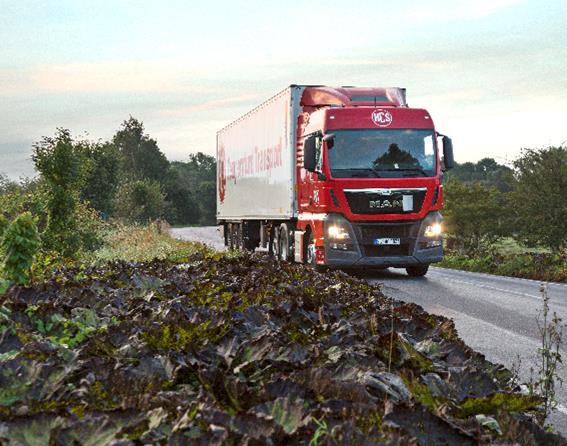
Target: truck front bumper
[361, 250]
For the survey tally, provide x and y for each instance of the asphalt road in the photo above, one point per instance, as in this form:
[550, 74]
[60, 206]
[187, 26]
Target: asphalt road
[494, 315]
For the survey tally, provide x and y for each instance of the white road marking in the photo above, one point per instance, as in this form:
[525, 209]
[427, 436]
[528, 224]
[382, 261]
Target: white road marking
[496, 276]
[491, 287]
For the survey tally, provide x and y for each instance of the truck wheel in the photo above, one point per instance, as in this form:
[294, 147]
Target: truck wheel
[417, 271]
[284, 248]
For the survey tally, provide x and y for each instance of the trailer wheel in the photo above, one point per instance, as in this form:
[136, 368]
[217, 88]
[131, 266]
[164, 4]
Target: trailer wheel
[230, 236]
[273, 247]
[235, 237]
[284, 248]
[417, 271]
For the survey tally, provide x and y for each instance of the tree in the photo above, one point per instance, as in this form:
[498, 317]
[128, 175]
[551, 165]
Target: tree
[182, 207]
[102, 179]
[198, 175]
[475, 215]
[540, 202]
[63, 166]
[207, 191]
[486, 172]
[141, 156]
[141, 201]
[5, 183]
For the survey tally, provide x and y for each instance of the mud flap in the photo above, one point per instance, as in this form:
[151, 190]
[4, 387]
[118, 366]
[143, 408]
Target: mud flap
[298, 241]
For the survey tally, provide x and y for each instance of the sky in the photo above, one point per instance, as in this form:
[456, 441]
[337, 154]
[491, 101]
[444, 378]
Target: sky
[492, 73]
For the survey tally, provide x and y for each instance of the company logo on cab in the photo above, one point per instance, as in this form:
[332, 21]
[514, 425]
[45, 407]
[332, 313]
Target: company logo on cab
[381, 117]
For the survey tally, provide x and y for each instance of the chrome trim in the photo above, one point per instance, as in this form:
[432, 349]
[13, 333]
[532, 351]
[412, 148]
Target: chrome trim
[311, 216]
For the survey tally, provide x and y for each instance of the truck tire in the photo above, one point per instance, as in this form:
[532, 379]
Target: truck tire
[235, 237]
[273, 243]
[284, 246]
[230, 237]
[417, 271]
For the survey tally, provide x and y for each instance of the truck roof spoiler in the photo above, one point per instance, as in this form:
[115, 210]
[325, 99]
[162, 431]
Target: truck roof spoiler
[321, 96]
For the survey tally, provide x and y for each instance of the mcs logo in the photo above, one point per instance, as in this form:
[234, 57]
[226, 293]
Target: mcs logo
[381, 117]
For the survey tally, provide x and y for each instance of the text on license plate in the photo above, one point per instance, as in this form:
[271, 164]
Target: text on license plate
[387, 241]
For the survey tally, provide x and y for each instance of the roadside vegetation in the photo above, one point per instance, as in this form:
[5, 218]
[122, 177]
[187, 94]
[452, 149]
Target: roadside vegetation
[87, 193]
[241, 349]
[509, 220]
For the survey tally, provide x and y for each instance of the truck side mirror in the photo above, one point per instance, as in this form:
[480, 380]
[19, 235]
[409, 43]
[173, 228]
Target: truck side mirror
[330, 140]
[448, 158]
[310, 153]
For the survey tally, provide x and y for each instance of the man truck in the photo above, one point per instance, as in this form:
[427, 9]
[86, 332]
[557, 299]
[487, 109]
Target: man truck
[339, 177]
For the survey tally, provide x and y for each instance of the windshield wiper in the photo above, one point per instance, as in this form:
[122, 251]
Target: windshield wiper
[416, 170]
[361, 172]
[411, 170]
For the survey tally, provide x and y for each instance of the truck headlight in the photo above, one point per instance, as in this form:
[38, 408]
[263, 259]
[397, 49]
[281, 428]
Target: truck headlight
[433, 230]
[337, 232]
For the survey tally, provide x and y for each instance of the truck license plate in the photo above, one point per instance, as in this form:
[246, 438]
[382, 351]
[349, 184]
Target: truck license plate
[387, 241]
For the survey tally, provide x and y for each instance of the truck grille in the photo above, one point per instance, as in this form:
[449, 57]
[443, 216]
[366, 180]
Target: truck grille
[406, 231]
[387, 202]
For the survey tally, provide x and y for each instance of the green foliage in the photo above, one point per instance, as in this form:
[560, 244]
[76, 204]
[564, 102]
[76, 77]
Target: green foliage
[538, 266]
[198, 175]
[540, 203]
[491, 404]
[321, 433]
[63, 166]
[90, 228]
[551, 337]
[20, 244]
[141, 201]
[26, 196]
[486, 172]
[102, 180]
[4, 223]
[474, 216]
[141, 157]
[182, 205]
[137, 243]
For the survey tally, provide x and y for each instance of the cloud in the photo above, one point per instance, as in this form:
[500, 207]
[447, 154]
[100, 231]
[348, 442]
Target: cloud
[110, 76]
[209, 105]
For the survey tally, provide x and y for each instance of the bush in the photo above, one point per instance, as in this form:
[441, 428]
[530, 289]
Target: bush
[141, 243]
[27, 196]
[537, 266]
[475, 216]
[539, 197]
[3, 225]
[20, 244]
[141, 201]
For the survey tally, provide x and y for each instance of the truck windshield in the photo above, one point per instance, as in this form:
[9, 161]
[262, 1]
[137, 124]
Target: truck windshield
[383, 153]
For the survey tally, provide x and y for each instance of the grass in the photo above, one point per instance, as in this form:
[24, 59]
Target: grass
[509, 246]
[528, 265]
[142, 243]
